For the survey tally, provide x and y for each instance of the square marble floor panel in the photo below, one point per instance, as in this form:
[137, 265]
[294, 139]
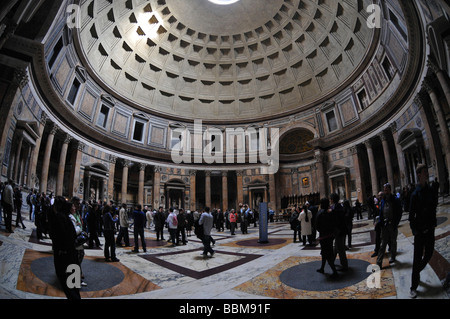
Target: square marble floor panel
[193, 264]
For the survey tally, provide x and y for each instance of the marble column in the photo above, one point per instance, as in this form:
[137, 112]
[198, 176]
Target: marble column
[272, 193]
[142, 167]
[17, 158]
[193, 175]
[445, 133]
[442, 80]
[359, 180]
[112, 172]
[62, 166]
[224, 191]
[373, 170]
[400, 156]
[35, 153]
[157, 187]
[240, 187]
[124, 191]
[208, 188]
[387, 158]
[46, 162]
[77, 168]
[320, 162]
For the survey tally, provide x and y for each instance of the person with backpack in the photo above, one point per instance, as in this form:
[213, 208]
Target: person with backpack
[172, 223]
[295, 223]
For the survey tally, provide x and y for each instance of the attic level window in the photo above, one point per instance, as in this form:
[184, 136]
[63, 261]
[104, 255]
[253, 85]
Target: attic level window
[138, 133]
[55, 52]
[103, 116]
[74, 91]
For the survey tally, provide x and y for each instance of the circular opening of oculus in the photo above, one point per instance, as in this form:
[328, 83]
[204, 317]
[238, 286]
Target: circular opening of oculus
[223, 2]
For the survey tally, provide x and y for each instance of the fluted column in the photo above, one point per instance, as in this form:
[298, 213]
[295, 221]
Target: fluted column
[360, 186]
[272, 193]
[46, 162]
[224, 191]
[62, 166]
[373, 170]
[156, 187]
[76, 169]
[35, 153]
[208, 188]
[193, 175]
[445, 134]
[142, 167]
[442, 80]
[239, 185]
[125, 181]
[387, 158]
[400, 156]
[320, 161]
[112, 172]
[17, 159]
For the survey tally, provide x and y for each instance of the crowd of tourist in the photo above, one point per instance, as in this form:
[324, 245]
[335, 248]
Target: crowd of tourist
[73, 223]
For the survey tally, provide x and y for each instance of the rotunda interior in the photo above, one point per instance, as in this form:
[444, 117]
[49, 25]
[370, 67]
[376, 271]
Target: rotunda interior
[203, 103]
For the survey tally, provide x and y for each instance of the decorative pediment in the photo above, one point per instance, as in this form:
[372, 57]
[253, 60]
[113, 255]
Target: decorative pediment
[337, 171]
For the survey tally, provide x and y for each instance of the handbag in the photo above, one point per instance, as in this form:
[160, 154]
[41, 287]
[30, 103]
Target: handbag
[81, 239]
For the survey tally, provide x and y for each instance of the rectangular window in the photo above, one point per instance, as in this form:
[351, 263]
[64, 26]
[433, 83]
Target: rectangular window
[175, 140]
[388, 69]
[399, 25]
[55, 52]
[73, 91]
[138, 133]
[332, 122]
[362, 97]
[102, 119]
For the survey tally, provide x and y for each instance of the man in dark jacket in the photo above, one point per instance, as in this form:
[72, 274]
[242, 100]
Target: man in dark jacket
[390, 216]
[63, 237]
[159, 220]
[422, 220]
[139, 223]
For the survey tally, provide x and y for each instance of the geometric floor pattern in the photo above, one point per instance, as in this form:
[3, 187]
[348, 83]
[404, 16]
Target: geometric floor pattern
[242, 268]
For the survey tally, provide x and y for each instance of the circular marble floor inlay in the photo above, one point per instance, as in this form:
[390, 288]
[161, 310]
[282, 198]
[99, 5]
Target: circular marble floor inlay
[98, 275]
[255, 242]
[305, 276]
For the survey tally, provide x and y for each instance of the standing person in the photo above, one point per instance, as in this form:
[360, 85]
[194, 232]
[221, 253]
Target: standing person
[325, 224]
[181, 229]
[149, 216]
[139, 225]
[159, 220]
[220, 220]
[207, 221]
[124, 224]
[8, 204]
[108, 231]
[189, 223]
[172, 225]
[18, 205]
[340, 231]
[76, 221]
[377, 224]
[63, 237]
[233, 221]
[305, 221]
[358, 210]
[92, 225]
[422, 220]
[390, 216]
[349, 214]
[295, 223]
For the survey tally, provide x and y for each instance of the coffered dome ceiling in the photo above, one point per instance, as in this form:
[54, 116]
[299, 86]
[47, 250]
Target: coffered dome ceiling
[248, 60]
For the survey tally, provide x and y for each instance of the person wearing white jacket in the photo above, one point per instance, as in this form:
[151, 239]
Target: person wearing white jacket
[305, 221]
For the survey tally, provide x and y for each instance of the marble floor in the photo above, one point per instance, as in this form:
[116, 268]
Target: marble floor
[242, 268]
